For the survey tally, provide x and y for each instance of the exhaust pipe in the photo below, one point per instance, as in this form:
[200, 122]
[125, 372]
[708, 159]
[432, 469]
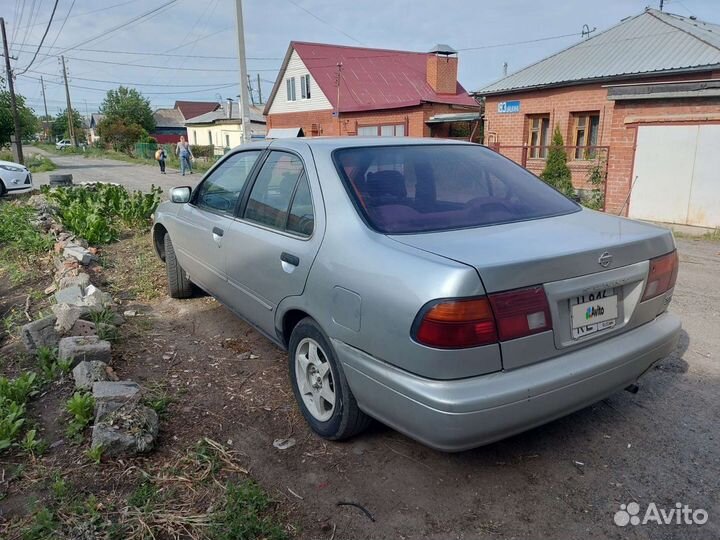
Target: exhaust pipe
[633, 388]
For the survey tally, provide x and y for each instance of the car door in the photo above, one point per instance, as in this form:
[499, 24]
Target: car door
[272, 245]
[202, 224]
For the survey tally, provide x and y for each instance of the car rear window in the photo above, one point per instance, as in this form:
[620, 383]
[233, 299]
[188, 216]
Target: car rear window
[421, 188]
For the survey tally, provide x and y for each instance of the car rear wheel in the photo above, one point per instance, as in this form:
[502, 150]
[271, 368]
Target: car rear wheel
[320, 386]
[179, 286]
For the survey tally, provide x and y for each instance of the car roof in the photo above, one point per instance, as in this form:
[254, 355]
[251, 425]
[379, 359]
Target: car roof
[332, 143]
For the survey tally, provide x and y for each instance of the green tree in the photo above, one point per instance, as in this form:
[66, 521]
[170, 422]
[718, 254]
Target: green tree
[28, 121]
[556, 172]
[59, 126]
[129, 106]
[121, 135]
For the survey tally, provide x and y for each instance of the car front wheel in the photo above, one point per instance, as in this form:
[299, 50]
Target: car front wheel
[320, 386]
[179, 286]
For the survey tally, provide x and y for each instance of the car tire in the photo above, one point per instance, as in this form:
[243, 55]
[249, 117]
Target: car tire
[179, 286]
[3, 191]
[344, 419]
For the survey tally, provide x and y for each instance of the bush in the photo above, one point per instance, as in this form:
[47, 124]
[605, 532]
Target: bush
[120, 135]
[556, 172]
[596, 178]
[202, 151]
[96, 212]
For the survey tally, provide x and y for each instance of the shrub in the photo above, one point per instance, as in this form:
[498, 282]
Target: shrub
[81, 407]
[96, 212]
[556, 172]
[596, 178]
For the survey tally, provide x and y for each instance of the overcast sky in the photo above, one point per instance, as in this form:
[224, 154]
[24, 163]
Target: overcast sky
[207, 28]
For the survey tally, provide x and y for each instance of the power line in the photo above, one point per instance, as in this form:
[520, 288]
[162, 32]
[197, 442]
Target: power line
[42, 40]
[204, 57]
[120, 26]
[325, 22]
[548, 38]
[127, 83]
[172, 68]
[83, 13]
[147, 93]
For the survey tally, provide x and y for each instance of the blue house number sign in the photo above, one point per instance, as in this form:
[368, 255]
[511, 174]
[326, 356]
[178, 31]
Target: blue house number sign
[507, 107]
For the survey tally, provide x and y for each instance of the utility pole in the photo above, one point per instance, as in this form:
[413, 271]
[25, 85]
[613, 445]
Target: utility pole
[338, 79]
[47, 118]
[250, 91]
[18, 153]
[259, 90]
[244, 99]
[661, 4]
[71, 127]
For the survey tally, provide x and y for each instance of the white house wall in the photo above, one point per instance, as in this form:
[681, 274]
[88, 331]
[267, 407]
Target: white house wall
[223, 135]
[317, 102]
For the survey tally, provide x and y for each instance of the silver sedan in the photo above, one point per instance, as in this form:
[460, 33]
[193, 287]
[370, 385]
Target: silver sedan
[432, 285]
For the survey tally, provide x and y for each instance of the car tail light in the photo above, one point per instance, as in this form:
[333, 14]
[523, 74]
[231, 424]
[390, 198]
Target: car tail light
[662, 275]
[457, 324]
[521, 312]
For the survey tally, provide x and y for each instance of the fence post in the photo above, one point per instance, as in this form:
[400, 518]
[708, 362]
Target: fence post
[524, 155]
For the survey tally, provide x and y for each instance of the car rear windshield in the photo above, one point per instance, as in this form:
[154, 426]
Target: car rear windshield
[421, 188]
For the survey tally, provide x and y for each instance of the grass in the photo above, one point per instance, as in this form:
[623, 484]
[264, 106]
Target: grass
[20, 242]
[35, 162]
[201, 493]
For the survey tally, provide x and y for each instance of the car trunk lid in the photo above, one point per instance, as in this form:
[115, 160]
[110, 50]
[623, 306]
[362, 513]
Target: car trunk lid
[577, 257]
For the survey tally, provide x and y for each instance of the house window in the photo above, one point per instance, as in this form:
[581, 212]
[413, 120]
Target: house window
[227, 141]
[386, 130]
[305, 86]
[195, 136]
[210, 137]
[290, 83]
[587, 127]
[538, 136]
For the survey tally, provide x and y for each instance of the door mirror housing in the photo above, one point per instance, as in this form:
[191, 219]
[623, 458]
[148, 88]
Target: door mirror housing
[180, 195]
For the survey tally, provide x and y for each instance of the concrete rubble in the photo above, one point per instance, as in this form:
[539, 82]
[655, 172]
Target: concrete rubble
[123, 426]
[84, 348]
[86, 374]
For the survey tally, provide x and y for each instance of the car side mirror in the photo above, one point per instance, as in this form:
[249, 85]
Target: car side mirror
[180, 195]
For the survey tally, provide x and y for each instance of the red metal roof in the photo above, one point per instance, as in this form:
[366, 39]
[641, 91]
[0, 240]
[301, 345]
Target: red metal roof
[373, 78]
[191, 109]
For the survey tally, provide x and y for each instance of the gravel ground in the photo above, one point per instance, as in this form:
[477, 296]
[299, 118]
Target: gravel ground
[130, 175]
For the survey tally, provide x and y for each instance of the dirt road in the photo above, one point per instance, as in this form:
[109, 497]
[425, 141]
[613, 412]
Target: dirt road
[563, 480]
[130, 175]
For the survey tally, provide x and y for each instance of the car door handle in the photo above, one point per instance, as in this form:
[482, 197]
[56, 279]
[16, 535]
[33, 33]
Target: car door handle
[290, 259]
[218, 231]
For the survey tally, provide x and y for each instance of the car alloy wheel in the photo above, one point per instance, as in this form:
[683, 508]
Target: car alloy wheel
[314, 379]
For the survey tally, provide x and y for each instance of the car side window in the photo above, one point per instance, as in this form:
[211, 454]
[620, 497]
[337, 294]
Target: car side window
[221, 190]
[273, 190]
[301, 219]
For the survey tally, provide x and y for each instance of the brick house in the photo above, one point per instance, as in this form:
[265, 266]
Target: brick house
[337, 90]
[170, 122]
[640, 100]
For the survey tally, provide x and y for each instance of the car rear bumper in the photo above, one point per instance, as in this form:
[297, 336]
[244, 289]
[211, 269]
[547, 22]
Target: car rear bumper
[460, 414]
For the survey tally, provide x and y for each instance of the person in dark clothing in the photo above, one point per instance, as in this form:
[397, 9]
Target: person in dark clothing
[160, 157]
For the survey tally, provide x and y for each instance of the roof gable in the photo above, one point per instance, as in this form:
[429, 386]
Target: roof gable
[651, 42]
[371, 79]
[191, 109]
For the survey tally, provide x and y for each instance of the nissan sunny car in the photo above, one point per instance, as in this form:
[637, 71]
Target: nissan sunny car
[433, 285]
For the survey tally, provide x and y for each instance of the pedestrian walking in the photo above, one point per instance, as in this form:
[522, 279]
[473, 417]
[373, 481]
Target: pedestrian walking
[160, 157]
[182, 150]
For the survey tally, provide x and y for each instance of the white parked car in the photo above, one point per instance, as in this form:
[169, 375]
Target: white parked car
[14, 177]
[62, 145]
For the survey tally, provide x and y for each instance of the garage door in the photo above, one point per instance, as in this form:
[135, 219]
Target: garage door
[677, 171]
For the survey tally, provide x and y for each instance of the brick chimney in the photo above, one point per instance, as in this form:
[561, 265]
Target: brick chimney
[441, 72]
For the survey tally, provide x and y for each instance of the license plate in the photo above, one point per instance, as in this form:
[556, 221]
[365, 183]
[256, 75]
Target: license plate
[593, 312]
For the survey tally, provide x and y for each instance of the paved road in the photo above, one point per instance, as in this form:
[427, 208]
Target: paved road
[130, 175]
